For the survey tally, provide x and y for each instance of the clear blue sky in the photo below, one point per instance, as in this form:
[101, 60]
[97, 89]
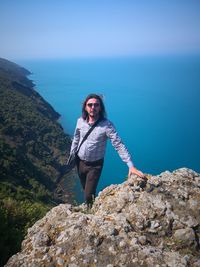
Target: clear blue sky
[82, 28]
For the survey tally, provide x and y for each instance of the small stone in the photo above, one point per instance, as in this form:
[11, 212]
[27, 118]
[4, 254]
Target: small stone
[194, 204]
[127, 229]
[114, 232]
[46, 257]
[135, 261]
[182, 203]
[60, 261]
[189, 221]
[59, 251]
[41, 239]
[122, 244]
[155, 224]
[133, 241]
[142, 240]
[185, 236]
[72, 265]
[112, 250]
[186, 259]
[139, 225]
[196, 263]
[177, 225]
[72, 258]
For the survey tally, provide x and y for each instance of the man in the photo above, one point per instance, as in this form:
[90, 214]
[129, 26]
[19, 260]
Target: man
[91, 153]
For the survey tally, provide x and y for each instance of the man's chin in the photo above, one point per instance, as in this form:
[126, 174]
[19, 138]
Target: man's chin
[93, 115]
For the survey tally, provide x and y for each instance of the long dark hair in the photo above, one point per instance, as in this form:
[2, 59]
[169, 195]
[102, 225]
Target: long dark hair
[102, 113]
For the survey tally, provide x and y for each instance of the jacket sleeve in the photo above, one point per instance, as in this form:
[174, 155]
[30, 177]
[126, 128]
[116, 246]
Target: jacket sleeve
[76, 138]
[118, 144]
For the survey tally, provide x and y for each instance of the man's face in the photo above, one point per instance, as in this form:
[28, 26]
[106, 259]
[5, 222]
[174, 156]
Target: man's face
[93, 107]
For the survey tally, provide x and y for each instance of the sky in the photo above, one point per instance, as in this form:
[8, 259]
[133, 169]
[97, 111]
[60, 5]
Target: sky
[34, 29]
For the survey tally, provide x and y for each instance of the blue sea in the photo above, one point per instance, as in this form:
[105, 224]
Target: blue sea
[154, 102]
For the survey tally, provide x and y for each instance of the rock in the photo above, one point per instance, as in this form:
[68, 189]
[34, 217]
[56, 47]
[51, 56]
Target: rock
[194, 204]
[189, 221]
[142, 240]
[137, 223]
[41, 239]
[185, 236]
[196, 263]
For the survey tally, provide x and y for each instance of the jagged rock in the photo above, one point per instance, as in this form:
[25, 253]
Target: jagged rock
[154, 222]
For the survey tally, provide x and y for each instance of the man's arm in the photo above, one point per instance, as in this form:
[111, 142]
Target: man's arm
[76, 138]
[121, 149]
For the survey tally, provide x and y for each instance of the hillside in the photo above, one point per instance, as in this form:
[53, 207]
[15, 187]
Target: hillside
[137, 223]
[33, 153]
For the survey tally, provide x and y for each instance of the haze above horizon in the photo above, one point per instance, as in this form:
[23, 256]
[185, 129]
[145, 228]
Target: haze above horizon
[66, 29]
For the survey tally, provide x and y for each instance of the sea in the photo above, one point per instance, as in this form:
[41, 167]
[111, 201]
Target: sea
[153, 101]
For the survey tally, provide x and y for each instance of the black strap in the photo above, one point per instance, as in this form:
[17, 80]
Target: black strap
[87, 134]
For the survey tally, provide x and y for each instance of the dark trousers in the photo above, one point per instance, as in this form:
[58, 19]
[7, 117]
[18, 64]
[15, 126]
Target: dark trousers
[89, 174]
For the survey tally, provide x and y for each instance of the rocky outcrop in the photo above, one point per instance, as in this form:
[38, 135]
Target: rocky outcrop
[137, 223]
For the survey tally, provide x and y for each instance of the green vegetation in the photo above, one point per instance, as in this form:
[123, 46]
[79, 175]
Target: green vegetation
[33, 152]
[15, 218]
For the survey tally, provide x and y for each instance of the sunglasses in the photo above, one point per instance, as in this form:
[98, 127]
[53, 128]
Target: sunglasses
[93, 104]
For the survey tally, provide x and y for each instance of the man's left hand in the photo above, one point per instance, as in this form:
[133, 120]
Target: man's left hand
[133, 170]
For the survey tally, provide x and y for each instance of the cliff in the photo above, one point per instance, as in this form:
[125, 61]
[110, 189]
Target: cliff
[33, 154]
[33, 145]
[137, 223]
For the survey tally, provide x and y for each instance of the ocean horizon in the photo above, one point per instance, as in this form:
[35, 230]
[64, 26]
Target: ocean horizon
[152, 101]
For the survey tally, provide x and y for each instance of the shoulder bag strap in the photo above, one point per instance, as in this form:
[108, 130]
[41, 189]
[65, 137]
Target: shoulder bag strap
[87, 134]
